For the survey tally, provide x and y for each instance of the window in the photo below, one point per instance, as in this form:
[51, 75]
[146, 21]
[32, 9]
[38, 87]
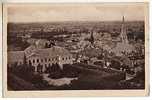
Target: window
[45, 59]
[37, 60]
[69, 57]
[29, 62]
[41, 60]
[62, 58]
[33, 61]
[49, 59]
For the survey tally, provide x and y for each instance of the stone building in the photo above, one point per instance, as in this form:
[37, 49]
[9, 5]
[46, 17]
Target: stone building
[38, 56]
[123, 46]
[47, 57]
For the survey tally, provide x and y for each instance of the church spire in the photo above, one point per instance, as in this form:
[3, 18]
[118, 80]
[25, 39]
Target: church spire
[123, 19]
[123, 31]
[92, 38]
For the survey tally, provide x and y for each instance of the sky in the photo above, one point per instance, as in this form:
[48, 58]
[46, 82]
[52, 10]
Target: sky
[75, 12]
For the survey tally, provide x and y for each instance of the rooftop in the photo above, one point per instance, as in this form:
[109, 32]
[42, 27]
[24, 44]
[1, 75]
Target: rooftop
[51, 52]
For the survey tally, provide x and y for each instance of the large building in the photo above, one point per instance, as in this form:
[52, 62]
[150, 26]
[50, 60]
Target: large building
[123, 46]
[49, 56]
[41, 56]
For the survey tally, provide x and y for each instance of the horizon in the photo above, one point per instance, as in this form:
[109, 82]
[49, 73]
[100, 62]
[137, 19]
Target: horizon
[73, 21]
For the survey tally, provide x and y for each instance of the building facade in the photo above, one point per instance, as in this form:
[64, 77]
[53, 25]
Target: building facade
[47, 57]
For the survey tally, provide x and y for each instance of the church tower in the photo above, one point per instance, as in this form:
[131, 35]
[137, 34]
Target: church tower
[123, 46]
[123, 33]
[92, 38]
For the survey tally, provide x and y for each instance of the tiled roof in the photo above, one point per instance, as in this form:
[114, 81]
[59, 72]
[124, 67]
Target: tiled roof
[15, 56]
[50, 52]
[30, 49]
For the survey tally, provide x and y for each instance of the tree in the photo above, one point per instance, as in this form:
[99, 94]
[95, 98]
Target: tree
[48, 69]
[55, 71]
[92, 38]
[46, 45]
[31, 68]
[25, 44]
[24, 61]
[39, 68]
[55, 67]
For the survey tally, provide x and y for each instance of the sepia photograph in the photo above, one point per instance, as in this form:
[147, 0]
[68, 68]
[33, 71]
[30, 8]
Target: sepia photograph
[64, 47]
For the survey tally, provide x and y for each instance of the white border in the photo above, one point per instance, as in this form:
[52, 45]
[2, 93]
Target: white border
[40, 1]
[0, 48]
